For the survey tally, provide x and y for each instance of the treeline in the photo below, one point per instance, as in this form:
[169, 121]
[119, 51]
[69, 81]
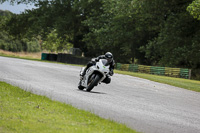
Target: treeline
[150, 32]
[10, 43]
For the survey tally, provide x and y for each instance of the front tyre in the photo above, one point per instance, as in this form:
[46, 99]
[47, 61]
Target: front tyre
[93, 81]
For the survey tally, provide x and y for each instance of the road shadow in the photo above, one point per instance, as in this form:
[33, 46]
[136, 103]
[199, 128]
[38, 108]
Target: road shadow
[94, 92]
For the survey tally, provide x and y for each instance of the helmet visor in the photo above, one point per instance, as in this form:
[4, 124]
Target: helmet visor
[109, 60]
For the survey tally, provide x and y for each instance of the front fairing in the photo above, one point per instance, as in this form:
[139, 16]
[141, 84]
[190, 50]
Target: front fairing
[100, 68]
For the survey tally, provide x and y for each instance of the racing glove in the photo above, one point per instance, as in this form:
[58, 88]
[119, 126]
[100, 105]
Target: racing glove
[111, 73]
[95, 60]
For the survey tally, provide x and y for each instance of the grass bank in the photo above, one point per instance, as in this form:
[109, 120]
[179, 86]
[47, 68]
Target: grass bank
[193, 85]
[24, 112]
[22, 55]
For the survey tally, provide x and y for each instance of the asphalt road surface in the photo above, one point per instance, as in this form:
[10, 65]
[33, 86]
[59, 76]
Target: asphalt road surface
[141, 104]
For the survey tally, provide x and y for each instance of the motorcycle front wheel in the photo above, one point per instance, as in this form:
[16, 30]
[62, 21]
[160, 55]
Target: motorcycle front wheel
[94, 79]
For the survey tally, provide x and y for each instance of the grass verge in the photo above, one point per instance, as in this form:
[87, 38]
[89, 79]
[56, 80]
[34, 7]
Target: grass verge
[29, 57]
[20, 55]
[22, 112]
[193, 85]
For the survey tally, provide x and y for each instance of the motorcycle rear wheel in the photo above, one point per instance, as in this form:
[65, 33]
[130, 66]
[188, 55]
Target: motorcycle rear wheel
[93, 82]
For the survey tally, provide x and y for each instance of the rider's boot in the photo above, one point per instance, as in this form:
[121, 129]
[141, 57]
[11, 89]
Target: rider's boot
[83, 73]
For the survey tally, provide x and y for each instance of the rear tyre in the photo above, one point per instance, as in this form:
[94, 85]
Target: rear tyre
[93, 82]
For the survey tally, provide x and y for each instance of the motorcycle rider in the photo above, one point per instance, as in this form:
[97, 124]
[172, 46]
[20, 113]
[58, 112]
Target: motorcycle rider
[109, 57]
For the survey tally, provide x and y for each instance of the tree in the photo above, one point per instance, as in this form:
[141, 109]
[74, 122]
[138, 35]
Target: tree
[121, 27]
[10, 43]
[55, 43]
[65, 16]
[194, 9]
[176, 39]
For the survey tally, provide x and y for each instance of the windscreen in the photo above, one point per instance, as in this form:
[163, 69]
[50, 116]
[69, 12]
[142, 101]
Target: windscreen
[105, 62]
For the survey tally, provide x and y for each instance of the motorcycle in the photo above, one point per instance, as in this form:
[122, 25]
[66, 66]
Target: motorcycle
[94, 75]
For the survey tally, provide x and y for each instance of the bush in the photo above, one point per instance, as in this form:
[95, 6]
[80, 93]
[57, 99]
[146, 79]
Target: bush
[195, 74]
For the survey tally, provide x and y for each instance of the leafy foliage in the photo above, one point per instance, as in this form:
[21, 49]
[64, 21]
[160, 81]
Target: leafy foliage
[55, 43]
[175, 43]
[10, 43]
[194, 9]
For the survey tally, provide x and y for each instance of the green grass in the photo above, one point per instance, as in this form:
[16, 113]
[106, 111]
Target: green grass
[35, 59]
[193, 85]
[13, 56]
[24, 112]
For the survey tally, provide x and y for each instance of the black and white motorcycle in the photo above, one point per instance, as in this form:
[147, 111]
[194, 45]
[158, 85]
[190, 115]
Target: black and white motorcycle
[94, 75]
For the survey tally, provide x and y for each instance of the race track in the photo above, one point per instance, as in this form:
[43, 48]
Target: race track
[141, 104]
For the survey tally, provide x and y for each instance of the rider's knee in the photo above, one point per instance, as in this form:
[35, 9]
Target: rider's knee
[90, 63]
